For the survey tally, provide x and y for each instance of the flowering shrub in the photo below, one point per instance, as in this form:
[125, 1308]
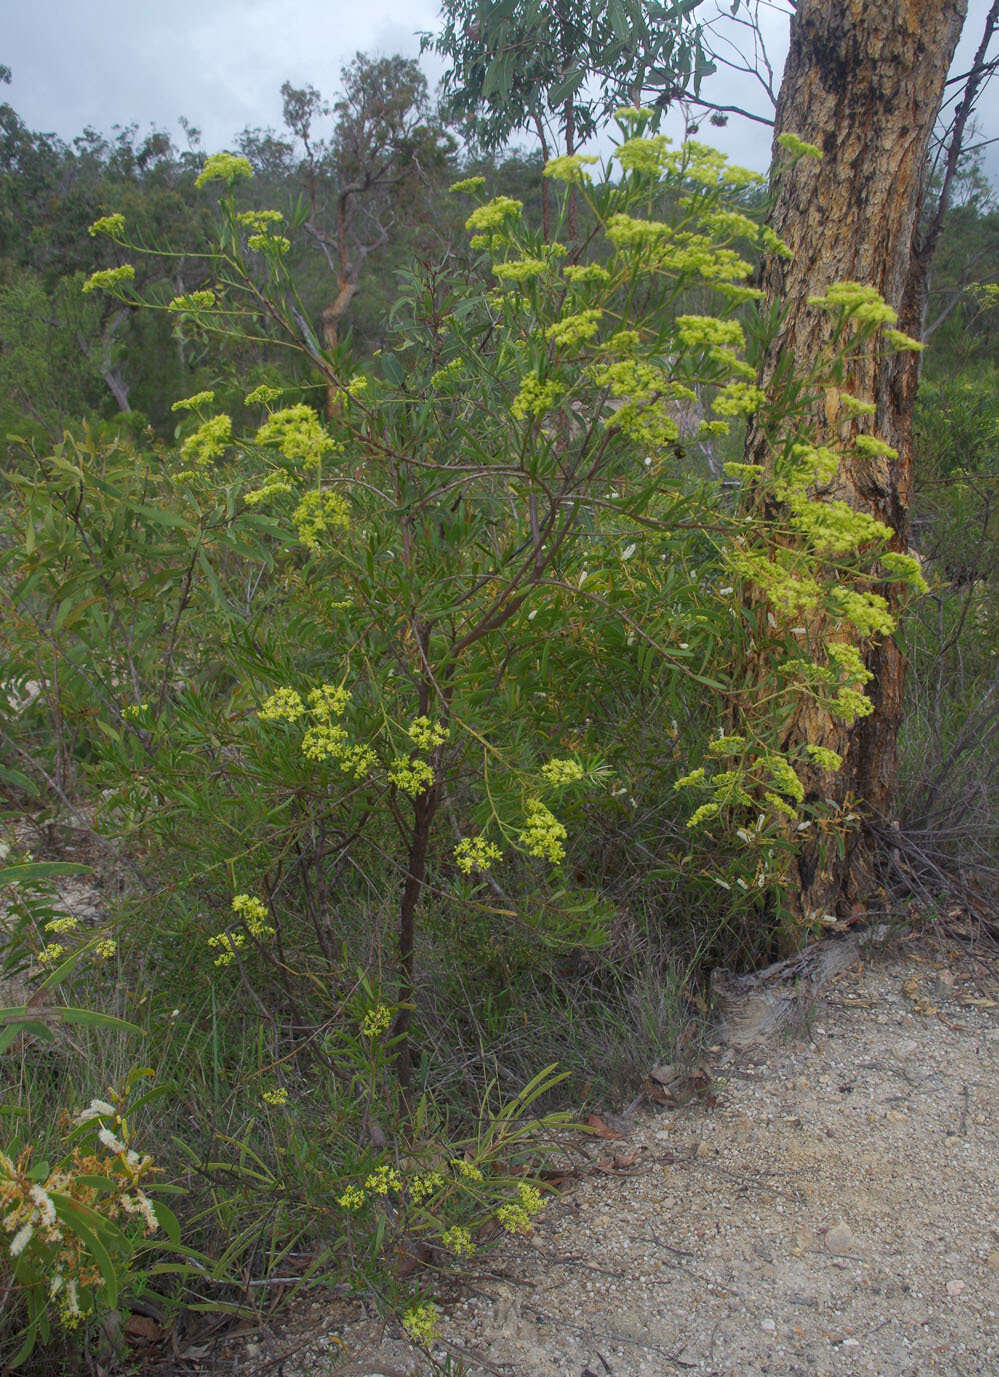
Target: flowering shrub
[429, 656]
[69, 1232]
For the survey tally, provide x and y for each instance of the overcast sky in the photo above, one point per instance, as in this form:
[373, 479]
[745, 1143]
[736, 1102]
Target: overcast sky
[220, 63]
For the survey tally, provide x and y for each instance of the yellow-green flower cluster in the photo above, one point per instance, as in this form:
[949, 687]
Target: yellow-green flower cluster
[637, 115]
[376, 1021]
[458, 1240]
[730, 224]
[905, 568]
[275, 1097]
[520, 269]
[653, 425]
[833, 527]
[111, 225]
[709, 167]
[62, 925]
[224, 167]
[109, 279]
[743, 471]
[318, 511]
[469, 184]
[427, 735]
[849, 661]
[422, 1323]
[298, 433]
[702, 332]
[845, 664]
[274, 487]
[863, 305]
[560, 772]
[824, 758]
[625, 232]
[51, 953]
[227, 944]
[896, 339]
[873, 447]
[647, 156]
[284, 705]
[570, 168]
[738, 399]
[209, 441]
[705, 813]
[721, 745]
[850, 704]
[587, 274]
[797, 147]
[808, 465]
[622, 342]
[254, 914]
[328, 700]
[193, 403]
[263, 394]
[773, 243]
[351, 1199]
[488, 221]
[701, 257]
[325, 739]
[105, 948]
[790, 592]
[191, 302]
[413, 776]
[543, 835]
[535, 397]
[516, 1217]
[261, 221]
[868, 612]
[268, 243]
[465, 1169]
[448, 374]
[382, 1180]
[784, 777]
[853, 406]
[575, 329]
[423, 1185]
[475, 853]
[630, 378]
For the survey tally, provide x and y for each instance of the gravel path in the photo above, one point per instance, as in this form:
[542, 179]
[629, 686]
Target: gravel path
[829, 1207]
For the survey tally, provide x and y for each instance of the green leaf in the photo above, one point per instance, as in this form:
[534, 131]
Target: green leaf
[26, 871]
[161, 516]
[16, 1026]
[618, 20]
[167, 1221]
[90, 1018]
[18, 780]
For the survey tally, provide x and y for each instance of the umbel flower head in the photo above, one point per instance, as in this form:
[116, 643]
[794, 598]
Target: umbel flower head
[224, 167]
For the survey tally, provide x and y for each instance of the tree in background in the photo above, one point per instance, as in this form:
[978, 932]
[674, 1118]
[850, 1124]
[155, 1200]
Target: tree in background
[863, 86]
[556, 70]
[384, 147]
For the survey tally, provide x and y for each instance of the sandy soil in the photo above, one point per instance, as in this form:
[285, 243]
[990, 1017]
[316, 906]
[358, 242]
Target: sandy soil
[827, 1205]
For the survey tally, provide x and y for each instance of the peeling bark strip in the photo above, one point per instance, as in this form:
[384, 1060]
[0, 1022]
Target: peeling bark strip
[863, 81]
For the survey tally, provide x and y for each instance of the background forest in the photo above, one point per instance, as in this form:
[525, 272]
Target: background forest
[402, 662]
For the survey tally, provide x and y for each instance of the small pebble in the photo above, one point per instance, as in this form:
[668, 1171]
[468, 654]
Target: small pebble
[839, 1240]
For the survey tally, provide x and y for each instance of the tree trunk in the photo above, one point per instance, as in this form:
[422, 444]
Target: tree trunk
[864, 82]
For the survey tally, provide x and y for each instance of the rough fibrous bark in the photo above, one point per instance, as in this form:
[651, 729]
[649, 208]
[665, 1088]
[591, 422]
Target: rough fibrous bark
[863, 82]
